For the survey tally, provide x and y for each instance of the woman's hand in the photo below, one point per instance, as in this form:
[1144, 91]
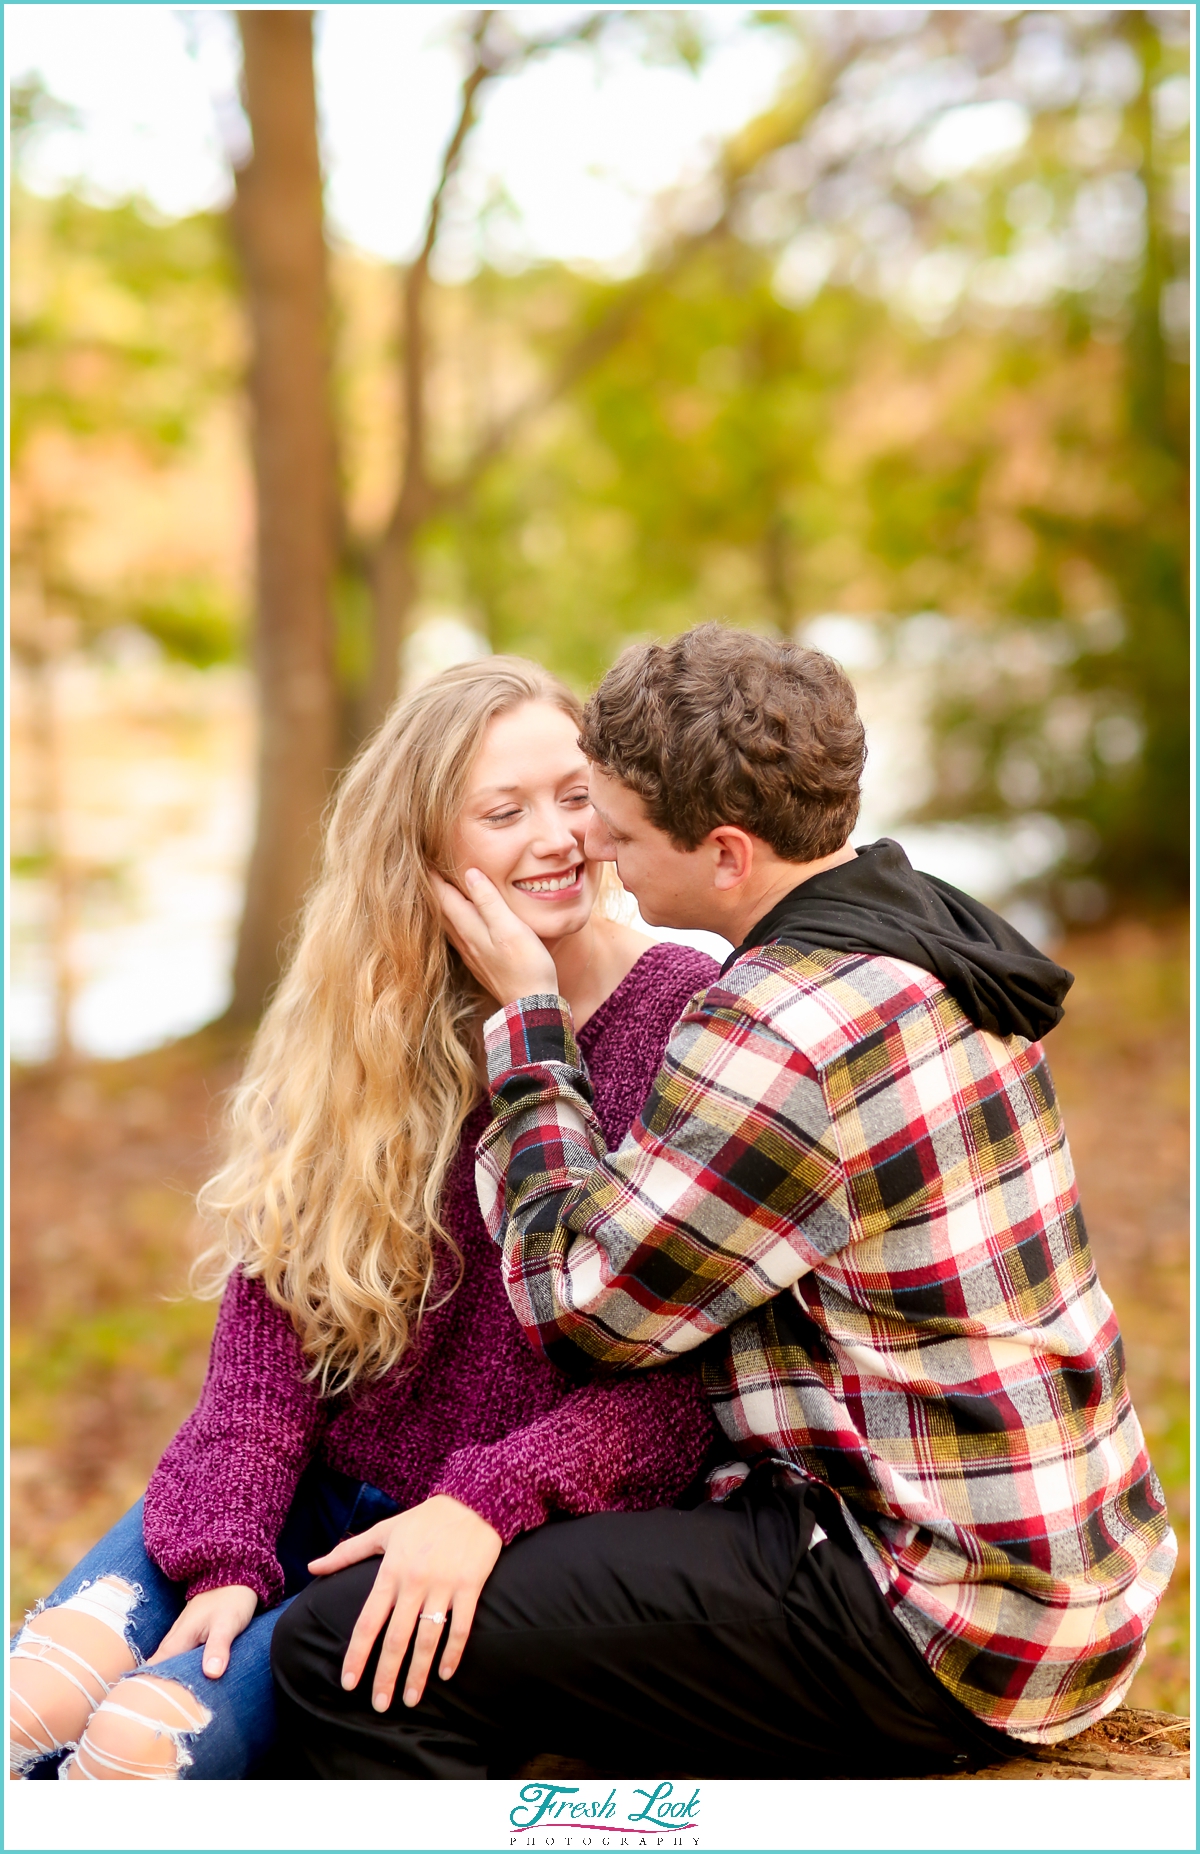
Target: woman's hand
[216, 1617]
[505, 955]
[436, 1559]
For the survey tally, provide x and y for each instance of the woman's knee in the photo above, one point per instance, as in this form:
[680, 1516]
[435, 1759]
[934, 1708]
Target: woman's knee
[64, 1663]
[140, 1732]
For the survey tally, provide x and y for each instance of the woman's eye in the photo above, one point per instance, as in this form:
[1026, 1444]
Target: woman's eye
[501, 817]
[577, 798]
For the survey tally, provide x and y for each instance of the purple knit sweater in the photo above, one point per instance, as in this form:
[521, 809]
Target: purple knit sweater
[470, 1410]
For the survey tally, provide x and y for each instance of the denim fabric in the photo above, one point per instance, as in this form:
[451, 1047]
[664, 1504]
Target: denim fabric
[328, 1507]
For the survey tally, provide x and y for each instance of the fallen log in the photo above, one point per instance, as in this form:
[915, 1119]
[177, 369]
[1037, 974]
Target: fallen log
[1131, 1742]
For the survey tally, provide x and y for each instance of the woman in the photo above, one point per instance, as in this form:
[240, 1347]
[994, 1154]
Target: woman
[369, 1392]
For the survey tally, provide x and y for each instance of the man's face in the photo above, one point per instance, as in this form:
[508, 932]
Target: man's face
[672, 887]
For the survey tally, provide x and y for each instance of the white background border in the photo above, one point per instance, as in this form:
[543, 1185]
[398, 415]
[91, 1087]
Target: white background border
[1068, 1814]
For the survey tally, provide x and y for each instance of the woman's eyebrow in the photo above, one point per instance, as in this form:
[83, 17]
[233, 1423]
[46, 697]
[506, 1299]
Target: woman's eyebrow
[486, 791]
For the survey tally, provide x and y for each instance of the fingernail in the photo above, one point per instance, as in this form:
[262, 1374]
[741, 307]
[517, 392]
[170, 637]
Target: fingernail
[347, 1681]
[212, 1667]
[379, 1701]
[471, 877]
[410, 1696]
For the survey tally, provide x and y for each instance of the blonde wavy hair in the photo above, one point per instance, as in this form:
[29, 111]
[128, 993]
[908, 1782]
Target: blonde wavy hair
[367, 1061]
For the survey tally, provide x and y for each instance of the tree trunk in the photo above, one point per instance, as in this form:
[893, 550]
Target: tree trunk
[280, 237]
[394, 589]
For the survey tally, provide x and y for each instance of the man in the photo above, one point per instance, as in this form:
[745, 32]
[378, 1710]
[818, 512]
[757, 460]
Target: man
[936, 1534]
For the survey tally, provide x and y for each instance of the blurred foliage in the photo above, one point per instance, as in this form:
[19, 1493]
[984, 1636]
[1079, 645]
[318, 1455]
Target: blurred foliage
[924, 351]
[903, 379]
[124, 339]
[113, 322]
[191, 620]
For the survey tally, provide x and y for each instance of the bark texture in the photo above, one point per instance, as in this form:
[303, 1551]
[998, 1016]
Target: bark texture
[280, 237]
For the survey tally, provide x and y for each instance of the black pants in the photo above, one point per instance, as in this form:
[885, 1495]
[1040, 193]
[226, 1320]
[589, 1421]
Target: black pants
[716, 1642]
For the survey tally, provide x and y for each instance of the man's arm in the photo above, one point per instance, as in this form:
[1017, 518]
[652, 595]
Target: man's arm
[728, 1188]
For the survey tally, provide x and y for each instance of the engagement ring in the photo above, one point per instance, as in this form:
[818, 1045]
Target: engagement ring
[433, 1615]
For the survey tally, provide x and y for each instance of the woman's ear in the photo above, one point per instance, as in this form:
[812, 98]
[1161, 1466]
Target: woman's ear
[733, 855]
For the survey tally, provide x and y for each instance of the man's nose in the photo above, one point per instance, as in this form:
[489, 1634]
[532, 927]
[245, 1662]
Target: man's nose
[598, 846]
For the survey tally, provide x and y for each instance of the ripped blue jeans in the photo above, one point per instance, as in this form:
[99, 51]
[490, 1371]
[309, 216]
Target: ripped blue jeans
[240, 1731]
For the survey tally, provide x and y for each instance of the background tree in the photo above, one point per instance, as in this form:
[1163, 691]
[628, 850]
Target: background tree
[279, 229]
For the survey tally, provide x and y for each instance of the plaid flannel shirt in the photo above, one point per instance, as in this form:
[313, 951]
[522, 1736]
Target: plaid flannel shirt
[867, 1206]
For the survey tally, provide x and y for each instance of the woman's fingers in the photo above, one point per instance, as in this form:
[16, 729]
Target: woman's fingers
[349, 1551]
[220, 1640]
[186, 1632]
[430, 1626]
[371, 1618]
[405, 1618]
[437, 1558]
[216, 1617]
[461, 1618]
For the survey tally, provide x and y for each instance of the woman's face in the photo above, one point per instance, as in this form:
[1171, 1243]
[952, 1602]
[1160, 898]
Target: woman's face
[525, 816]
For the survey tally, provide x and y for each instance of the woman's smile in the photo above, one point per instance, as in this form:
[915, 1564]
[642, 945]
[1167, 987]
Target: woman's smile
[565, 885]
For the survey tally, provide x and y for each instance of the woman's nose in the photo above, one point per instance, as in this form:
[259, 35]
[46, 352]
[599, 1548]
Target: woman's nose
[554, 834]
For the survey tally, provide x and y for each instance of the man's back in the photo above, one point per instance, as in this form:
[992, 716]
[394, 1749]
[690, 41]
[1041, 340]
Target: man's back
[949, 1364]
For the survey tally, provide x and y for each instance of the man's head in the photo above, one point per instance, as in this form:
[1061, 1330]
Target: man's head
[724, 765]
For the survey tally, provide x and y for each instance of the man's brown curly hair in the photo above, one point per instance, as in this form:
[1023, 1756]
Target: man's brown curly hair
[724, 727]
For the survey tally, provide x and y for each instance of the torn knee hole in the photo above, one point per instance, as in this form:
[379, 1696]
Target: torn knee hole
[166, 1702]
[111, 1601]
[65, 1661]
[138, 1733]
[91, 1618]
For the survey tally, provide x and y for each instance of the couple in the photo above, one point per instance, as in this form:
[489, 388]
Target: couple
[823, 1195]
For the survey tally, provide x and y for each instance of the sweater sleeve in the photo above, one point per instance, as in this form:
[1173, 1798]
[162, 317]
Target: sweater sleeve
[615, 1445]
[218, 1498]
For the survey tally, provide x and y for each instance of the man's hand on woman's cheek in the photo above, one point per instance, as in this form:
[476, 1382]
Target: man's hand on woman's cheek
[504, 954]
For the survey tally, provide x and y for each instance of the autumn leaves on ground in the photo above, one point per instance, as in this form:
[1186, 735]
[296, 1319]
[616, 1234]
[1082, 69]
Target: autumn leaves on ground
[108, 1353]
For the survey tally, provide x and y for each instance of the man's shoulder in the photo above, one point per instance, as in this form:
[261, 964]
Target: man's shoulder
[823, 1002]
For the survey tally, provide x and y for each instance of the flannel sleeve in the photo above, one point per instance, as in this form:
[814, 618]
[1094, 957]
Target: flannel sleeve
[728, 1188]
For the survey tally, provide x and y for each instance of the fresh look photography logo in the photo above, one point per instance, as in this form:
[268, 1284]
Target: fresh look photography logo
[575, 1815]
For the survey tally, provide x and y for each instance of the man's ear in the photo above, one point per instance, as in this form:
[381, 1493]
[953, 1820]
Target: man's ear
[733, 855]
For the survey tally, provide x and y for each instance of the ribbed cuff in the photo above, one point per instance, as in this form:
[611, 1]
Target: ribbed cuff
[510, 1505]
[267, 1587]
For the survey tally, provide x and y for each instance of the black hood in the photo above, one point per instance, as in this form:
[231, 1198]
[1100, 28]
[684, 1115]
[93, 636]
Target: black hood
[880, 904]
